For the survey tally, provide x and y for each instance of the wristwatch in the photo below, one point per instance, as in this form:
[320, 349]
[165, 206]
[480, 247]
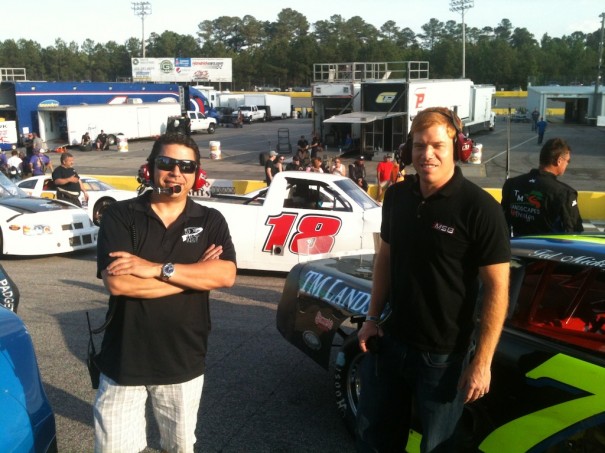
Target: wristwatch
[167, 271]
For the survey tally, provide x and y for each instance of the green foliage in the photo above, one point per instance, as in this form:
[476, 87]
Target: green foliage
[282, 53]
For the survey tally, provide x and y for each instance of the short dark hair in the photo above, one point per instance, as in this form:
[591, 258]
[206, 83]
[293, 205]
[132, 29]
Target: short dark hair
[65, 156]
[171, 139]
[552, 150]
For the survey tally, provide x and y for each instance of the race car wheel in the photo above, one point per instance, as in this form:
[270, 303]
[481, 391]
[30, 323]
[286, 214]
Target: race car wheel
[211, 129]
[99, 208]
[347, 383]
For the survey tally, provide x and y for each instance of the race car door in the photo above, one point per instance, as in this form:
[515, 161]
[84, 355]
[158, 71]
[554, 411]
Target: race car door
[315, 219]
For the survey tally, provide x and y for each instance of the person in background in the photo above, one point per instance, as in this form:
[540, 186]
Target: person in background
[280, 163]
[37, 143]
[316, 147]
[68, 183]
[101, 141]
[440, 235]
[541, 128]
[384, 170]
[537, 202]
[295, 165]
[271, 168]
[15, 166]
[347, 145]
[86, 141]
[357, 172]
[39, 162]
[316, 166]
[338, 168]
[159, 256]
[535, 115]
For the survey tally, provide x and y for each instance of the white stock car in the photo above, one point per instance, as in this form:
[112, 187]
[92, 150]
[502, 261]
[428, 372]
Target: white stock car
[41, 226]
[100, 194]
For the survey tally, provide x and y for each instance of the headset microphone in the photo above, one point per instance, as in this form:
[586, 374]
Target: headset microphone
[167, 190]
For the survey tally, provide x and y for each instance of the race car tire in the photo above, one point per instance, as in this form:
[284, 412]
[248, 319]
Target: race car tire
[99, 208]
[346, 381]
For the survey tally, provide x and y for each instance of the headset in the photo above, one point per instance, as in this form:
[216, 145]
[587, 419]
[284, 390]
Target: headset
[463, 146]
[144, 177]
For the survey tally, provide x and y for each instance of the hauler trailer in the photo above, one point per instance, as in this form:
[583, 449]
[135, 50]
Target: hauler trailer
[387, 105]
[130, 120]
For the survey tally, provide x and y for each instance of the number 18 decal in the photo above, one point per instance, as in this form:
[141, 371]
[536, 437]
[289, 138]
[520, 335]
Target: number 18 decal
[312, 234]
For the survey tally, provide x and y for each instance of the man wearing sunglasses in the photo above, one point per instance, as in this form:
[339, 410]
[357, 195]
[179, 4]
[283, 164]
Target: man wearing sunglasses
[159, 256]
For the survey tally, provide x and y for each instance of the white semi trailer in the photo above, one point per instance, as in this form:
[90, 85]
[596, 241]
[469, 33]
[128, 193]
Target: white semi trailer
[131, 120]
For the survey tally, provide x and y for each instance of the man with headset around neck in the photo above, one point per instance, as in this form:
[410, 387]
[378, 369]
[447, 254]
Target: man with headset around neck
[159, 256]
[439, 233]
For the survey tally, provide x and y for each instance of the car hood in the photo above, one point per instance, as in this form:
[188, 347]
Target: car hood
[29, 205]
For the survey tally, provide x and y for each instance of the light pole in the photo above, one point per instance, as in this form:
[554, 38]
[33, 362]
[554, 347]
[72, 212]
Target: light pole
[142, 9]
[461, 6]
[598, 81]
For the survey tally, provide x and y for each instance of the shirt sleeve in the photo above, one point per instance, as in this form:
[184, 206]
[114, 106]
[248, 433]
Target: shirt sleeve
[115, 235]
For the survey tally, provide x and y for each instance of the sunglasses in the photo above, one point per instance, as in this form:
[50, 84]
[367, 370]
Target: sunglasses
[168, 163]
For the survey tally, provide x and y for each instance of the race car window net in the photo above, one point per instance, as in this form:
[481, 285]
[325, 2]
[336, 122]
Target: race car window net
[563, 302]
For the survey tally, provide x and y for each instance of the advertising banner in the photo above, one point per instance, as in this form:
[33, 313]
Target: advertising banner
[182, 69]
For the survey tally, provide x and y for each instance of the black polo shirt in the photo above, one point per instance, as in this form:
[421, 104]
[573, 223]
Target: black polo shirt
[163, 340]
[437, 245]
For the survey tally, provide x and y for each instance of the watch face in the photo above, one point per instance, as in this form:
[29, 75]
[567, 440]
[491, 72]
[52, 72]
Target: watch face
[168, 270]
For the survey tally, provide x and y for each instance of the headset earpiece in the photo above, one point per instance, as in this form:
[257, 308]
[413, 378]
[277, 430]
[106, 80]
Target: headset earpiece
[200, 179]
[144, 175]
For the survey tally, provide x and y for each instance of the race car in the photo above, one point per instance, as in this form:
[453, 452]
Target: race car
[41, 226]
[548, 375]
[300, 216]
[27, 422]
[100, 194]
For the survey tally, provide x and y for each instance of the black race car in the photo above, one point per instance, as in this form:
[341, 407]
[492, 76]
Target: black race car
[548, 375]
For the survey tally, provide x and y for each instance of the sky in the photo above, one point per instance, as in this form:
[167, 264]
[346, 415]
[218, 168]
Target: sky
[114, 20]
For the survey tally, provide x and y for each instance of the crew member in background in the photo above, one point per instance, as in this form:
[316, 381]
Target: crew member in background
[538, 203]
[384, 170]
[101, 141]
[68, 183]
[271, 168]
[39, 162]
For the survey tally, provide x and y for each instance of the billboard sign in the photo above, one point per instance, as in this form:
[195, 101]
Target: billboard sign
[182, 69]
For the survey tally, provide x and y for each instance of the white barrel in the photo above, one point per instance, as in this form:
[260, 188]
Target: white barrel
[476, 154]
[122, 143]
[215, 150]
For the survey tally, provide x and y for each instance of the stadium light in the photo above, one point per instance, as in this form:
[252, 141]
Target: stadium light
[461, 6]
[142, 9]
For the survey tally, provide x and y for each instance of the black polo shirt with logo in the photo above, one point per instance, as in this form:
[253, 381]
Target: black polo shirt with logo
[162, 340]
[437, 245]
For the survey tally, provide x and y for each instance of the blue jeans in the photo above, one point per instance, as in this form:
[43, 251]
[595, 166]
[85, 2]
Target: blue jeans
[399, 376]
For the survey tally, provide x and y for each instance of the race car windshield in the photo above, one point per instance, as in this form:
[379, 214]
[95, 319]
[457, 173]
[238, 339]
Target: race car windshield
[9, 189]
[357, 194]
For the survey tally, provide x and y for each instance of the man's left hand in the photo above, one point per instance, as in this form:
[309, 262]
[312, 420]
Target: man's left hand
[475, 381]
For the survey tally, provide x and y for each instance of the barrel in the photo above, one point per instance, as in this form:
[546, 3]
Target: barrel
[215, 150]
[122, 143]
[476, 154]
